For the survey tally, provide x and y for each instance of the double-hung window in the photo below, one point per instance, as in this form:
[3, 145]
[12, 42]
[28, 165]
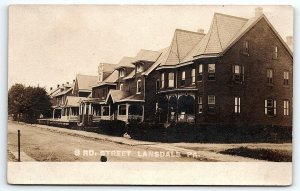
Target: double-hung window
[200, 71]
[171, 80]
[270, 76]
[286, 106]
[245, 48]
[162, 79]
[211, 104]
[200, 104]
[286, 78]
[193, 74]
[138, 86]
[237, 105]
[211, 71]
[270, 107]
[182, 78]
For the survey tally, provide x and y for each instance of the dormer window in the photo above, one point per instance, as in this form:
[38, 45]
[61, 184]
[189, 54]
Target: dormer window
[122, 72]
[139, 67]
[138, 86]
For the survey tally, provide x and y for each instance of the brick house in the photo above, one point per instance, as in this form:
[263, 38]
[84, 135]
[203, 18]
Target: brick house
[240, 72]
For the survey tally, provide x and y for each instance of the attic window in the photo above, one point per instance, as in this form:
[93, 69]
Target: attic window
[275, 52]
[139, 67]
[246, 47]
[122, 72]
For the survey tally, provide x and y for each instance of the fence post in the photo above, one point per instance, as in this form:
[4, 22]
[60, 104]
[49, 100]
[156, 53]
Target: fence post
[19, 146]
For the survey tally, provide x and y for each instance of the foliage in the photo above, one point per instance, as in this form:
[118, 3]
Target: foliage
[28, 103]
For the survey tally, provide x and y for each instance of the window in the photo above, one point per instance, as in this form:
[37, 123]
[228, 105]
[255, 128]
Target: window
[139, 67]
[105, 110]
[238, 73]
[211, 100]
[183, 78]
[211, 71]
[193, 76]
[275, 52]
[157, 85]
[138, 86]
[269, 76]
[211, 104]
[237, 105]
[270, 107]
[286, 107]
[162, 80]
[122, 72]
[200, 76]
[121, 86]
[122, 110]
[246, 48]
[286, 78]
[171, 79]
[200, 105]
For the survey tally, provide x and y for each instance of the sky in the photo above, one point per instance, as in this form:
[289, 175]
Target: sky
[50, 44]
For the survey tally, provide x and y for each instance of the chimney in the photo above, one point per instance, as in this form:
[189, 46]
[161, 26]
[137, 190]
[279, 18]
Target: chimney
[258, 11]
[289, 40]
[58, 85]
[50, 88]
[200, 31]
[73, 81]
[63, 85]
[68, 83]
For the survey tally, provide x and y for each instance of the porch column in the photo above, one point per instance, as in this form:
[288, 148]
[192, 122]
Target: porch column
[84, 110]
[53, 113]
[143, 112]
[90, 109]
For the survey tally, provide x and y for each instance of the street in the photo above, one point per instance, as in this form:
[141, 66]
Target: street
[46, 143]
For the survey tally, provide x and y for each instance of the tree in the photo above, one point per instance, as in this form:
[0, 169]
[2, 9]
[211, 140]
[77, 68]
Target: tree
[28, 103]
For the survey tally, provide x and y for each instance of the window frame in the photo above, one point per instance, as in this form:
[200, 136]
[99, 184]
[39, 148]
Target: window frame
[270, 110]
[121, 72]
[245, 49]
[286, 80]
[103, 110]
[182, 83]
[171, 82]
[121, 86]
[237, 105]
[211, 73]
[138, 86]
[200, 104]
[200, 73]
[162, 77]
[193, 76]
[286, 107]
[270, 76]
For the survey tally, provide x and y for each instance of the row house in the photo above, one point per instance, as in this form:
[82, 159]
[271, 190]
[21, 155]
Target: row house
[240, 72]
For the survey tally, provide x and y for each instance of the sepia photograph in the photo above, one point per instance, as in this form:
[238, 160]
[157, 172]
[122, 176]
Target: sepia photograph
[173, 85]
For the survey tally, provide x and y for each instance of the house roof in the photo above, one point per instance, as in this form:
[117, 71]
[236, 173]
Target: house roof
[147, 55]
[182, 43]
[85, 82]
[133, 98]
[64, 91]
[117, 95]
[72, 101]
[125, 62]
[161, 59]
[224, 32]
[107, 67]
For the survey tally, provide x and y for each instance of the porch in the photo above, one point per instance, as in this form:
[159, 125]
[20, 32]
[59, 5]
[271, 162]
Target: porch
[130, 112]
[176, 107]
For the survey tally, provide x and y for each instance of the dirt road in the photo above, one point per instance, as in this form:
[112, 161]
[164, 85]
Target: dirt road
[44, 145]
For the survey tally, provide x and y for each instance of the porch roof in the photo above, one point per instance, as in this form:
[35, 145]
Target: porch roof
[133, 98]
[72, 101]
[116, 95]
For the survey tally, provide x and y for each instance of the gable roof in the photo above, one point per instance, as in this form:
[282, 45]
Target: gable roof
[161, 59]
[224, 32]
[182, 43]
[117, 95]
[133, 98]
[64, 91]
[72, 101]
[147, 55]
[85, 82]
[125, 62]
[107, 67]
